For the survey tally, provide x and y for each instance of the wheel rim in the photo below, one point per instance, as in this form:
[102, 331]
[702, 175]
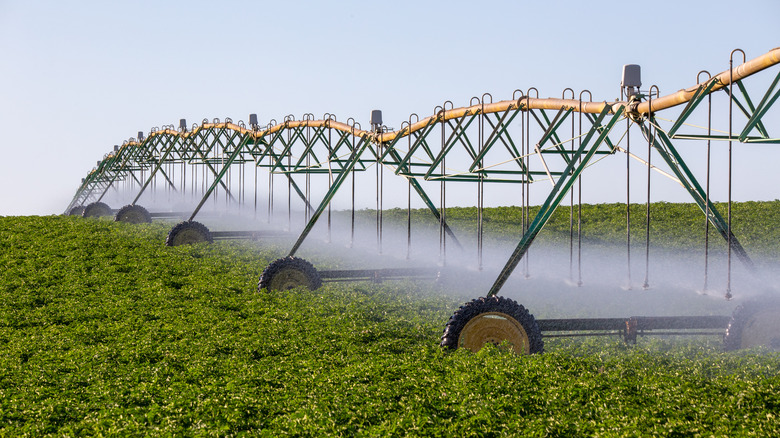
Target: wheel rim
[188, 236]
[96, 211]
[494, 328]
[133, 217]
[289, 278]
[762, 329]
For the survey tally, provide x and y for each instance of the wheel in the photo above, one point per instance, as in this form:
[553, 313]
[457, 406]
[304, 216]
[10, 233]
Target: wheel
[96, 209]
[493, 320]
[754, 323]
[133, 214]
[76, 211]
[188, 232]
[289, 273]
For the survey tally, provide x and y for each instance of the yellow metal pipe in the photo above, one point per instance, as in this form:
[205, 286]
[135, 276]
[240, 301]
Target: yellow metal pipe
[523, 103]
[722, 79]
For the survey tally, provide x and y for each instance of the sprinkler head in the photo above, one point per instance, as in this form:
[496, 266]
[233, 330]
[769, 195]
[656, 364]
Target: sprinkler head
[632, 79]
[376, 120]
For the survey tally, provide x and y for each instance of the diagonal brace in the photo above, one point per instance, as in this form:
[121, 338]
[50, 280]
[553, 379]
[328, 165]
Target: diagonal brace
[557, 193]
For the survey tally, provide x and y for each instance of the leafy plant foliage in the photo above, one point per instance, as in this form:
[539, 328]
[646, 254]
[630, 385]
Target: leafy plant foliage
[105, 331]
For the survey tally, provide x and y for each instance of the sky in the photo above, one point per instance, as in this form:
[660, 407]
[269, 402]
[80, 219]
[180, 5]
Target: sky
[78, 77]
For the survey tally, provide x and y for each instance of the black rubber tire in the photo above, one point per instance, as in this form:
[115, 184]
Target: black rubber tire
[289, 273]
[188, 232]
[97, 209]
[133, 214]
[493, 305]
[76, 211]
[754, 323]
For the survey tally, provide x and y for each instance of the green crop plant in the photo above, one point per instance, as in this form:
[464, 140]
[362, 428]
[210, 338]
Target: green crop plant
[106, 332]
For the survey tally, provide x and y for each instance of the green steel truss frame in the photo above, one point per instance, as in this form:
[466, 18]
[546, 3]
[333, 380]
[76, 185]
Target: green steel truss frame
[525, 141]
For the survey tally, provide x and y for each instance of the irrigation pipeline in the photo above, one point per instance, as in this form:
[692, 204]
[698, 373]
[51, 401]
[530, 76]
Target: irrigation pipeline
[494, 149]
[721, 80]
[644, 109]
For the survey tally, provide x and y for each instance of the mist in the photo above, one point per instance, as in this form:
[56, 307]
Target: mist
[552, 280]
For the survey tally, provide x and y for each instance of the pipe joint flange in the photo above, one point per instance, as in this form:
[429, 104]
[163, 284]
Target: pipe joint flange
[632, 108]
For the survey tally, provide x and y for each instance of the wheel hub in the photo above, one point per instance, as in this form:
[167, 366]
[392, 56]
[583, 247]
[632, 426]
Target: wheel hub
[132, 217]
[289, 278]
[187, 237]
[494, 328]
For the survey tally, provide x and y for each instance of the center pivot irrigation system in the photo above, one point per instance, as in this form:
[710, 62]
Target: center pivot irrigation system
[544, 144]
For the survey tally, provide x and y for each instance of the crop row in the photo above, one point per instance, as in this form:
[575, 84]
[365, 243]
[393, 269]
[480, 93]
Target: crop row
[105, 331]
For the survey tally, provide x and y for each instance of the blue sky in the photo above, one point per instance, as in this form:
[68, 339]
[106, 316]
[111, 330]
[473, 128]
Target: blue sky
[78, 77]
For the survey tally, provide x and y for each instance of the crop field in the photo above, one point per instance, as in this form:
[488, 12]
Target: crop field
[104, 331]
